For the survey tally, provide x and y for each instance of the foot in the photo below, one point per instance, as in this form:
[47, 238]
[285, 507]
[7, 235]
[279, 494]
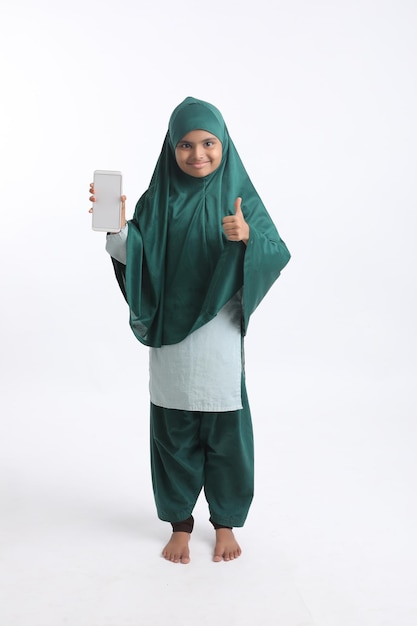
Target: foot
[177, 550]
[227, 548]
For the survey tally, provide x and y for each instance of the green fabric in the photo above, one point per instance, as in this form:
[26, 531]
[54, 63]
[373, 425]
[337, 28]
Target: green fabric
[180, 267]
[191, 449]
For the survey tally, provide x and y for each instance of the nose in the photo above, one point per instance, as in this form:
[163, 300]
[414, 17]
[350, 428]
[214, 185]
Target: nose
[198, 152]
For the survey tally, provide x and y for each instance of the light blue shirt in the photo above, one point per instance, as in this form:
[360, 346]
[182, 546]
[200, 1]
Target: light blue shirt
[202, 372]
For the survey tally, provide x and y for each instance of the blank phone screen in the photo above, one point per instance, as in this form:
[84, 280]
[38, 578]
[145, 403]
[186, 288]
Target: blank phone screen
[107, 191]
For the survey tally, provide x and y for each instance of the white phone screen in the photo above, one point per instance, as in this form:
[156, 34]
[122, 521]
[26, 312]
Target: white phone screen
[107, 207]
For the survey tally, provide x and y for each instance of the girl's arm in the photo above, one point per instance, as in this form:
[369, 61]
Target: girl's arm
[116, 244]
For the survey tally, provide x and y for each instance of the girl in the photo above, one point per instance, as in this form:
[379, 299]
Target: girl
[193, 264]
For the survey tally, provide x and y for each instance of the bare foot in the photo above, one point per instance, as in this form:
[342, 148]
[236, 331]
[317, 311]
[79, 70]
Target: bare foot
[177, 550]
[227, 548]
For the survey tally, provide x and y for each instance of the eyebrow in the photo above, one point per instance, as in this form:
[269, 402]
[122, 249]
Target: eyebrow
[210, 138]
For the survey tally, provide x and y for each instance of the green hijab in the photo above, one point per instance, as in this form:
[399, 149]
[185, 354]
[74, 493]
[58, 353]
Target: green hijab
[180, 268]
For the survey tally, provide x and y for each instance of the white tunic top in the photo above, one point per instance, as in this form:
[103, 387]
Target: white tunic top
[202, 372]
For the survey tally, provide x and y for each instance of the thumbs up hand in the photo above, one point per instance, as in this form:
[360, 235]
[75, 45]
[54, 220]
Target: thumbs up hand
[234, 226]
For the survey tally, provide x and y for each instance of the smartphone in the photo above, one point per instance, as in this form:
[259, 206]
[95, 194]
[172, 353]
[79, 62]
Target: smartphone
[108, 205]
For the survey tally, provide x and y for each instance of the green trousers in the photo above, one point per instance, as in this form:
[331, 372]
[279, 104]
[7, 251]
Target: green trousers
[191, 450]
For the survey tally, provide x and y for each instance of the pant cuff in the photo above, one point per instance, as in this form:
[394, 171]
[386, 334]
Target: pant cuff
[186, 526]
[217, 526]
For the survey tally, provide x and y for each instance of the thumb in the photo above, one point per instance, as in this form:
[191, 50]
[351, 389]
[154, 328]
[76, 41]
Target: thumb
[238, 203]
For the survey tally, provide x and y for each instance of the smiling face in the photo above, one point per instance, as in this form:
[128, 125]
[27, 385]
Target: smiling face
[198, 153]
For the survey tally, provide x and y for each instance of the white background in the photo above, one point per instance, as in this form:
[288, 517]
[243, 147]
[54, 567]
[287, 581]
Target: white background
[320, 99]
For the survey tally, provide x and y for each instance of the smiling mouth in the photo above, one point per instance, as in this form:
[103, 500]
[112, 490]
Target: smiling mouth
[198, 164]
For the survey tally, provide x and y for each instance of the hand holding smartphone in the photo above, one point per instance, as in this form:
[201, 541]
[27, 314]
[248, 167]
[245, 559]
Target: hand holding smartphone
[107, 213]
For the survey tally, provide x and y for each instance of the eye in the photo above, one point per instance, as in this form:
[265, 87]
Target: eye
[184, 146]
[209, 143]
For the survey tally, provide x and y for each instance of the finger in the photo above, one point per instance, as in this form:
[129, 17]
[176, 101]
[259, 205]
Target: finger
[238, 204]
[92, 199]
[90, 210]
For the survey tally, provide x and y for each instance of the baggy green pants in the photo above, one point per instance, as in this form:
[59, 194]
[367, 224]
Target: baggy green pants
[191, 450]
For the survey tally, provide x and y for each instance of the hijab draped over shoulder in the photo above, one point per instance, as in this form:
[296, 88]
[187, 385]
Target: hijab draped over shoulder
[180, 268]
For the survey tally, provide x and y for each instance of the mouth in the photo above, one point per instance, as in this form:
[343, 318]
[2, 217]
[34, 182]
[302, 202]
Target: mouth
[199, 164]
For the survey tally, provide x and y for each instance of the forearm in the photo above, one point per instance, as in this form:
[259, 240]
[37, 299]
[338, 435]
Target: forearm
[116, 245]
